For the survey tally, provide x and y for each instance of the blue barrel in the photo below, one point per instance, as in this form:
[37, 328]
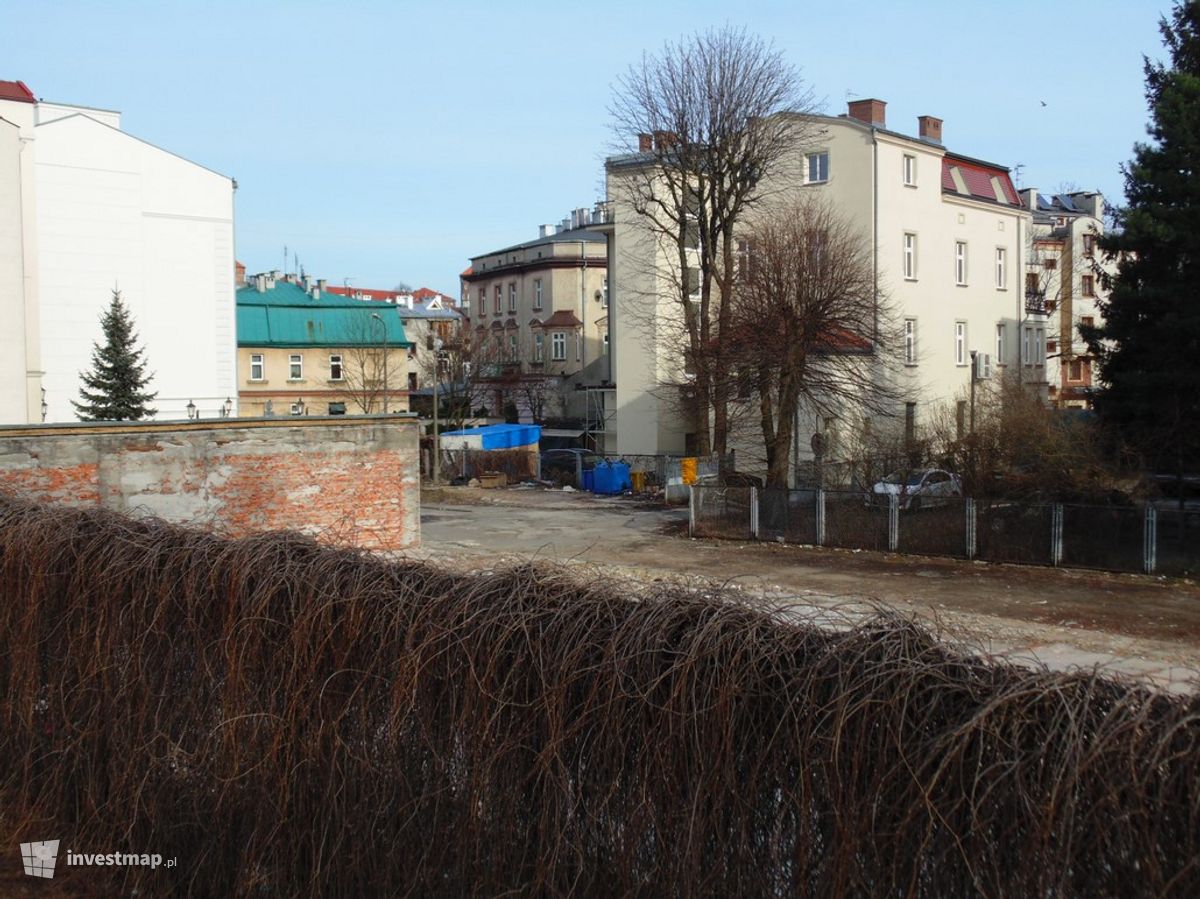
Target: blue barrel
[601, 478]
[620, 477]
[589, 479]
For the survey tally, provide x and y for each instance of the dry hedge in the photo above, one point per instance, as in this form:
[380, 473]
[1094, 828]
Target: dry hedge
[290, 719]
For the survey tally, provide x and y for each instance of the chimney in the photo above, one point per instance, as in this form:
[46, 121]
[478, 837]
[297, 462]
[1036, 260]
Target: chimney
[314, 292]
[930, 128]
[307, 283]
[545, 230]
[645, 143]
[260, 283]
[665, 139]
[321, 282]
[1028, 197]
[873, 112]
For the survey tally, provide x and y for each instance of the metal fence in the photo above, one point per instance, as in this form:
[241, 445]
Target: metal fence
[1110, 538]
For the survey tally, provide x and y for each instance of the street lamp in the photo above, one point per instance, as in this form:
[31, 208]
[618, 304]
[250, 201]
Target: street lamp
[376, 316]
[191, 409]
[226, 407]
[437, 383]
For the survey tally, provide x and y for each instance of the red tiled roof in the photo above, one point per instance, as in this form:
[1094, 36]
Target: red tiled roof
[978, 179]
[421, 293]
[562, 319]
[16, 90]
[469, 270]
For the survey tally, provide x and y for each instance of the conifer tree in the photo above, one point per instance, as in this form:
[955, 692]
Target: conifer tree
[1149, 342]
[115, 388]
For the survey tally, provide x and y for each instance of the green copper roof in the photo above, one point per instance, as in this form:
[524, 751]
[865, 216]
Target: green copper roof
[286, 316]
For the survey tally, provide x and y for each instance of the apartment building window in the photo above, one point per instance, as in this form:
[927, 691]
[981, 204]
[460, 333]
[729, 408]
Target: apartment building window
[335, 368]
[558, 346]
[910, 341]
[512, 297]
[1089, 244]
[606, 341]
[817, 167]
[960, 262]
[910, 256]
[297, 408]
[512, 346]
[1050, 264]
[499, 303]
[604, 291]
[483, 301]
[256, 366]
[910, 170]
[1089, 285]
[999, 344]
[1001, 268]
[1033, 346]
[960, 343]
[537, 293]
[295, 367]
[1087, 321]
[692, 282]
[539, 342]
[1031, 282]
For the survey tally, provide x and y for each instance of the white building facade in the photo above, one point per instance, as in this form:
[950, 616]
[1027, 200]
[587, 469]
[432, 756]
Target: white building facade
[98, 210]
[949, 236]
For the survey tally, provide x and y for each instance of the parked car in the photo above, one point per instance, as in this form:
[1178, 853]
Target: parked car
[921, 488]
[561, 466]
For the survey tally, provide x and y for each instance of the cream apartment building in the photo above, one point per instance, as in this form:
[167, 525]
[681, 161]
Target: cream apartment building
[86, 207]
[1064, 275]
[948, 234]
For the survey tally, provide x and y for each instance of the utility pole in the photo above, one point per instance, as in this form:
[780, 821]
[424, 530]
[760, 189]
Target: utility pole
[437, 383]
[375, 315]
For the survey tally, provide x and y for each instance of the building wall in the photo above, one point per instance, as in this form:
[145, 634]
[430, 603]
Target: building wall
[315, 387]
[13, 405]
[115, 212]
[345, 480]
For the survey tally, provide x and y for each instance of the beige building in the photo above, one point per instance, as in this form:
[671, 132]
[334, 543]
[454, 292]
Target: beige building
[305, 351]
[948, 234]
[1063, 275]
[542, 303]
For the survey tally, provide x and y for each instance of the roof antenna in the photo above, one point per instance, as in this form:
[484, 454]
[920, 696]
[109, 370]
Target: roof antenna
[1017, 169]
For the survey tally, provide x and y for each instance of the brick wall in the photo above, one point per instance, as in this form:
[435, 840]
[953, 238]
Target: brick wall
[350, 480]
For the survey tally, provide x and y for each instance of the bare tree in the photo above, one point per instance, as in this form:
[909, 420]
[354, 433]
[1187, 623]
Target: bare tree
[806, 324]
[371, 366]
[708, 123]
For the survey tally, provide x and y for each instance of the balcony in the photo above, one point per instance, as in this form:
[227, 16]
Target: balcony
[1035, 302]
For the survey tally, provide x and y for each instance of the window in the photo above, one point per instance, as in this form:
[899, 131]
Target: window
[1031, 282]
[960, 343]
[1001, 268]
[1089, 285]
[960, 262]
[512, 346]
[412, 381]
[295, 367]
[1089, 244]
[335, 368]
[1088, 321]
[539, 342]
[1050, 264]
[499, 292]
[1033, 346]
[578, 347]
[910, 256]
[910, 341]
[606, 341]
[297, 409]
[817, 167]
[910, 170]
[999, 344]
[483, 301]
[1075, 370]
[337, 408]
[512, 297]
[537, 293]
[558, 346]
[256, 366]
[692, 283]
[604, 291]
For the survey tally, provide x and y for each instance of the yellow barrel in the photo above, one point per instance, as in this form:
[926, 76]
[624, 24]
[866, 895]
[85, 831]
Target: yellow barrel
[638, 480]
[687, 468]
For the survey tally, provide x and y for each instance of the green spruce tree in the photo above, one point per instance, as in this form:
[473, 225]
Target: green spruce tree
[114, 390]
[1149, 342]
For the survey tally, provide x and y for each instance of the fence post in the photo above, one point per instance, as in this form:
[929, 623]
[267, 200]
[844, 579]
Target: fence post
[1150, 539]
[893, 522]
[691, 510]
[820, 509]
[754, 512]
[969, 507]
[1056, 533]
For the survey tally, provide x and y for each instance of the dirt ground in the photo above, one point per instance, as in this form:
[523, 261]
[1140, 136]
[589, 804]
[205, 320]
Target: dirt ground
[1135, 624]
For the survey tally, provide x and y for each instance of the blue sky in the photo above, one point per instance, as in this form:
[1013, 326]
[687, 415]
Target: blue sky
[392, 141]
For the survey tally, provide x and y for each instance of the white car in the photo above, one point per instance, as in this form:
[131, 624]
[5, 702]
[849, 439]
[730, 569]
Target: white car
[917, 489]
